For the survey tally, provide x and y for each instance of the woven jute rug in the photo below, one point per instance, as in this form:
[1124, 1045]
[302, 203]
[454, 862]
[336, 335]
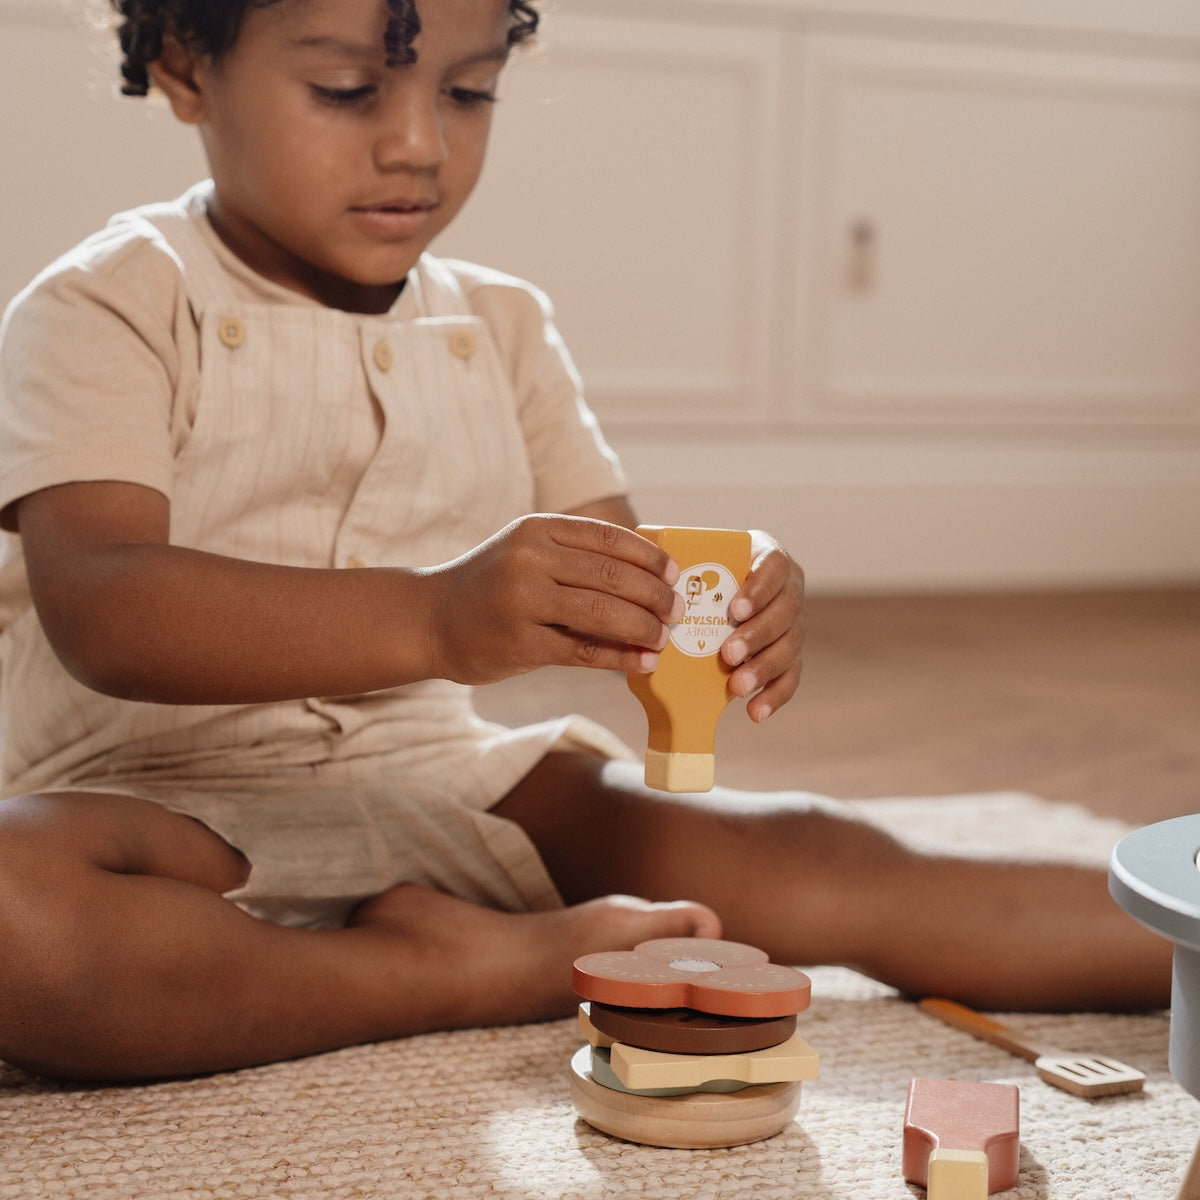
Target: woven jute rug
[487, 1113]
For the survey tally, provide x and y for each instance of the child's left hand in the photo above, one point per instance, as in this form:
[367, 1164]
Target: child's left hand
[766, 648]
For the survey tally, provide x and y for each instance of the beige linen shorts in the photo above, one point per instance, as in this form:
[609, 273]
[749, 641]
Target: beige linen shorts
[322, 838]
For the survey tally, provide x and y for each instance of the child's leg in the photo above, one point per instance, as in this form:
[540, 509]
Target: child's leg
[808, 882]
[119, 958]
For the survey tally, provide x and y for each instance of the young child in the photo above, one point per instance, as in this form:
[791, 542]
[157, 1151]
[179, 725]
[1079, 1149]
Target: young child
[249, 811]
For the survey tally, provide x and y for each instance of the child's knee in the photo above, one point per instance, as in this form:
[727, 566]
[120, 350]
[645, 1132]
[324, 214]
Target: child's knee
[42, 927]
[44, 865]
[123, 835]
[60, 856]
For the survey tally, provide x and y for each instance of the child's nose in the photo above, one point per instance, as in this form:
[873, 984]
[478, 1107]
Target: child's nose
[411, 135]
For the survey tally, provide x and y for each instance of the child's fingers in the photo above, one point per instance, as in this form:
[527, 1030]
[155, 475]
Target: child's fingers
[603, 615]
[773, 573]
[600, 586]
[613, 544]
[765, 658]
[766, 648]
[609, 588]
[778, 692]
[546, 589]
[779, 624]
[574, 649]
[768, 608]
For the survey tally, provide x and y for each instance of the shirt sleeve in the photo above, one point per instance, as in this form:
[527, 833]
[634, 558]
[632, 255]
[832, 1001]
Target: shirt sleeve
[572, 463]
[89, 367]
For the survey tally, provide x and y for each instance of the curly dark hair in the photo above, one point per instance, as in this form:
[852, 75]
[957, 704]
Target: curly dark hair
[212, 26]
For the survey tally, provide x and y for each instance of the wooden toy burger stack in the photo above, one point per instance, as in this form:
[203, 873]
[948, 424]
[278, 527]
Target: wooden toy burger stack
[691, 1043]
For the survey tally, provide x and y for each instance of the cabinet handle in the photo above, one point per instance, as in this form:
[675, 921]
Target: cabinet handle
[860, 273]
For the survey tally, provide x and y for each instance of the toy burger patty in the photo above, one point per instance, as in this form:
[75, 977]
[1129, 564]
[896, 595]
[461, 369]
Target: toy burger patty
[686, 1031]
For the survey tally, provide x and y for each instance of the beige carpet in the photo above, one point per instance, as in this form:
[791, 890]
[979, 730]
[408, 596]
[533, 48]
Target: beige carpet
[485, 1113]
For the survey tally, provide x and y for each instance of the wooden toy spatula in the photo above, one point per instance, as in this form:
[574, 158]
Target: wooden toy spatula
[961, 1139]
[1083, 1074]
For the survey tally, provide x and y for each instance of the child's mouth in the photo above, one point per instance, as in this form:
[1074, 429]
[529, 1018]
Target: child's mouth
[395, 219]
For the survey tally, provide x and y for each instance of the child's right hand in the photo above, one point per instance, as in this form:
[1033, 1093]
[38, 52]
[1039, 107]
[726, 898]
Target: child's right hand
[552, 590]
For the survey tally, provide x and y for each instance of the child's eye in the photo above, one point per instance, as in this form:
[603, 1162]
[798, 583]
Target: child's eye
[470, 97]
[343, 96]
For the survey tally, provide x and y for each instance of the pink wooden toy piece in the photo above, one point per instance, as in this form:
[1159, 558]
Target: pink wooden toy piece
[706, 974]
[961, 1139]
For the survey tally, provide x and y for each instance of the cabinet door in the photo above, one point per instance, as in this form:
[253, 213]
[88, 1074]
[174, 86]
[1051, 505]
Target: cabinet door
[632, 175]
[998, 234]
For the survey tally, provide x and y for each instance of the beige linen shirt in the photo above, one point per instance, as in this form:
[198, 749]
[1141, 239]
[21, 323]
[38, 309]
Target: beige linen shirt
[286, 432]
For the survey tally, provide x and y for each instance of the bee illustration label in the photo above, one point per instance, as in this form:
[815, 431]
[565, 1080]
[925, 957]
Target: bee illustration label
[707, 589]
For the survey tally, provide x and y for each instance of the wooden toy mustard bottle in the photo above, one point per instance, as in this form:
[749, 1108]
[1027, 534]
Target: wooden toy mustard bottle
[687, 692]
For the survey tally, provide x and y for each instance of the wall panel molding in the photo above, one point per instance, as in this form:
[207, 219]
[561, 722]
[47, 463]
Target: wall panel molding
[1032, 250]
[656, 234]
[916, 513]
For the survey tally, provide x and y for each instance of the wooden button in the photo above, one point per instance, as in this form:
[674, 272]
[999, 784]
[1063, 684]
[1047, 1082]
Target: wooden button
[462, 344]
[383, 356]
[354, 562]
[231, 332]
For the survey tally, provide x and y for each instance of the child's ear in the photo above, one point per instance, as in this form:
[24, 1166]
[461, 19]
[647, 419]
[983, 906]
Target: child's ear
[178, 73]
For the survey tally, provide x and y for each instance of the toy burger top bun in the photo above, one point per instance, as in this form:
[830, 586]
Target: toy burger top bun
[726, 978]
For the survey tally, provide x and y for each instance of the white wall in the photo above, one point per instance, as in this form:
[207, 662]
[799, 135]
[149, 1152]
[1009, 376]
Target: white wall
[74, 151]
[1004, 393]
[991, 493]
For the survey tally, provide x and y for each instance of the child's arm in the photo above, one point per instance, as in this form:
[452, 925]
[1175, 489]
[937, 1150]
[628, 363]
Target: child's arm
[131, 615]
[768, 644]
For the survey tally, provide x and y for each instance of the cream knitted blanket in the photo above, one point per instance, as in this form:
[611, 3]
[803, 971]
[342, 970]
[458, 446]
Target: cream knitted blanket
[486, 1113]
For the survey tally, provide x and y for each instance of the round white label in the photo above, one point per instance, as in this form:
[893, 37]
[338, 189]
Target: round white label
[707, 589]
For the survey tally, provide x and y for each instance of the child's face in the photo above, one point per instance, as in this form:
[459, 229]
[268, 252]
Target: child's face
[332, 171]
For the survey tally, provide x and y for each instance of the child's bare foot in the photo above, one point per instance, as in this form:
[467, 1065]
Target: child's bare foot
[516, 967]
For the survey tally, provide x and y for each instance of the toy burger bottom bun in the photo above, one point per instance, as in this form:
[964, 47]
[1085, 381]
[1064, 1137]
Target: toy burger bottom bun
[703, 1120]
